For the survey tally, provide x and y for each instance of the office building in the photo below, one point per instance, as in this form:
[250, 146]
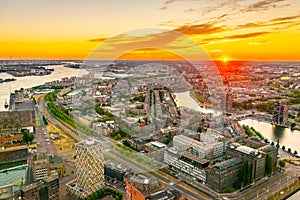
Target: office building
[223, 175]
[44, 165]
[208, 147]
[229, 100]
[181, 160]
[255, 158]
[45, 189]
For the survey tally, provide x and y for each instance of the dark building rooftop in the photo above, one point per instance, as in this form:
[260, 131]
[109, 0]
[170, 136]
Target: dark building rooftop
[195, 158]
[228, 163]
[50, 178]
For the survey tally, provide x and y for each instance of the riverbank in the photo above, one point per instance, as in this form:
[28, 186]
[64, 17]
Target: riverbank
[27, 81]
[7, 80]
[186, 99]
[287, 137]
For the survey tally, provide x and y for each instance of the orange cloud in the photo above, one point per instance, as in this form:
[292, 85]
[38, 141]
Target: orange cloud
[201, 29]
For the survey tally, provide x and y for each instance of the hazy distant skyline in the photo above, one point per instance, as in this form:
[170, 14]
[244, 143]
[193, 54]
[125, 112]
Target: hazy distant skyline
[70, 29]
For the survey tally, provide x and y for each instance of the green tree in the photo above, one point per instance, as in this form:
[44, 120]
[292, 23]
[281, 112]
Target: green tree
[248, 177]
[289, 150]
[293, 125]
[283, 147]
[269, 165]
[272, 143]
[45, 120]
[281, 163]
[245, 173]
[276, 85]
[27, 137]
[295, 152]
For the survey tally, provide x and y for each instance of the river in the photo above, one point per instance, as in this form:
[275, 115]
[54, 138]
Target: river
[31, 81]
[184, 99]
[296, 196]
[286, 136]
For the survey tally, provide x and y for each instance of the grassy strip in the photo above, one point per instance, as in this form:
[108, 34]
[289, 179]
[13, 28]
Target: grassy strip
[67, 134]
[290, 188]
[38, 121]
[198, 96]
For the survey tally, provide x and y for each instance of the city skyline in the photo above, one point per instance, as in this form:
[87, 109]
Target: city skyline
[260, 30]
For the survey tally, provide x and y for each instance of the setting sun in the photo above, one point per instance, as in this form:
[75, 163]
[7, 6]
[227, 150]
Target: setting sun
[225, 59]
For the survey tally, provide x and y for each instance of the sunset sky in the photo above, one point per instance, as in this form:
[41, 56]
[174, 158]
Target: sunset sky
[71, 29]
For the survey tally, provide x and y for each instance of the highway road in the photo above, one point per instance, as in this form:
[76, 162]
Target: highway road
[44, 143]
[272, 185]
[68, 129]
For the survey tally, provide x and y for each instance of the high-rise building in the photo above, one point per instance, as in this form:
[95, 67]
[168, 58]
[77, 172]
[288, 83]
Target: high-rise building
[255, 158]
[223, 175]
[280, 115]
[90, 169]
[229, 99]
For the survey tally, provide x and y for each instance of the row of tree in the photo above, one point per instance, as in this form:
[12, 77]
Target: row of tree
[289, 150]
[252, 132]
[51, 96]
[56, 111]
[267, 107]
[45, 120]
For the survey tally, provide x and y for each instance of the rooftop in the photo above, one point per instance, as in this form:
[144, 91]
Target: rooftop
[88, 143]
[161, 195]
[142, 179]
[31, 186]
[195, 158]
[116, 166]
[139, 140]
[246, 150]
[228, 163]
[50, 178]
[267, 148]
[6, 192]
[14, 148]
[203, 144]
[158, 145]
